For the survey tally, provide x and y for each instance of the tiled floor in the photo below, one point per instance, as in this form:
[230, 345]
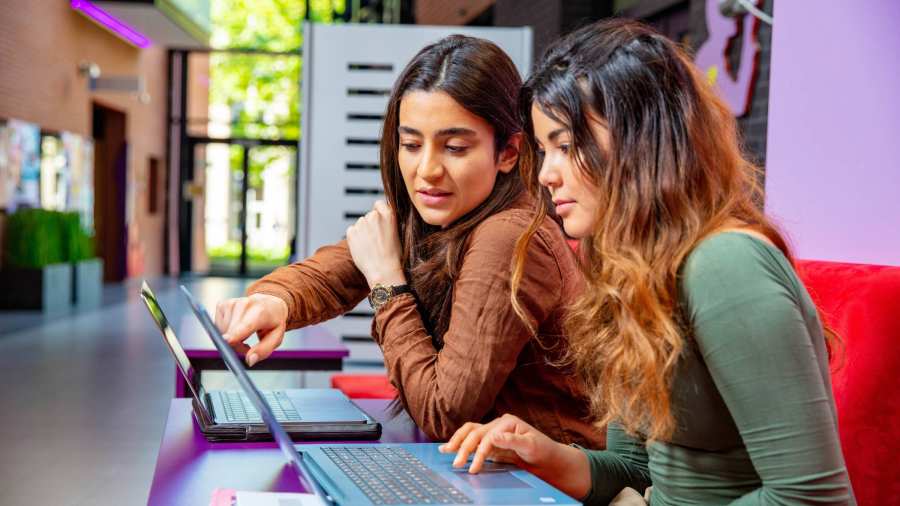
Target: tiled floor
[85, 397]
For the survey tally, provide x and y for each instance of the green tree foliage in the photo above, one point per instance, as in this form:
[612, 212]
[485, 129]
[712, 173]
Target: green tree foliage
[262, 91]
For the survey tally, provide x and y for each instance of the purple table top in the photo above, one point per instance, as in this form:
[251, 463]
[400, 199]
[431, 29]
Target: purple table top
[315, 342]
[189, 468]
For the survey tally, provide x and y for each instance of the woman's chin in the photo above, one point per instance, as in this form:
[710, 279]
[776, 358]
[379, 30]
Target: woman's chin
[576, 229]
[434, 218]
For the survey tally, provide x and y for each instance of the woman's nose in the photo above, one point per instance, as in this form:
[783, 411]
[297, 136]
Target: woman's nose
[548, 175]
[430, 166]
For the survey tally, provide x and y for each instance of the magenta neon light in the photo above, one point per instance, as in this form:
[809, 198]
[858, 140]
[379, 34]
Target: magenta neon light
[111, 23]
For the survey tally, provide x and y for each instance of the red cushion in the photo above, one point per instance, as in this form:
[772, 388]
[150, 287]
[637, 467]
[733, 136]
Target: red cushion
[364, 386]
[862, 303]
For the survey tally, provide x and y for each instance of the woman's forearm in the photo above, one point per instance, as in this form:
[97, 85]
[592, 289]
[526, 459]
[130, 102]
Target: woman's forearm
[568, 470]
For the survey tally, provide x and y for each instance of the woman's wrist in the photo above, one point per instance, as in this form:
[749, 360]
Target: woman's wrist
[392, 277]
[569, 470]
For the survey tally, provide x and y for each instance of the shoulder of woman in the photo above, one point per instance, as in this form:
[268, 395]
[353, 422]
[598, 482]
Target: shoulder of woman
[732, 259]
[548, 254]
[508, 225]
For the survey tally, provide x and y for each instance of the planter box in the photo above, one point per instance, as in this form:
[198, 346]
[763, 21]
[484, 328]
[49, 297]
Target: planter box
[87, 289]
[49, 289]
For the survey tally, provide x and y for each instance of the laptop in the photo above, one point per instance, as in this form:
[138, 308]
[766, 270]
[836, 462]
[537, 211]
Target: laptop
[384, 473]
[228, 415]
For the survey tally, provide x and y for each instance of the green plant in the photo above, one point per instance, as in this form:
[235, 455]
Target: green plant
[78, 245]
[34, 239]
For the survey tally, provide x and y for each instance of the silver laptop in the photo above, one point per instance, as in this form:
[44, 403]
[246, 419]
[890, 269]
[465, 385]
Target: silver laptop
[228, 415]
[411, 473]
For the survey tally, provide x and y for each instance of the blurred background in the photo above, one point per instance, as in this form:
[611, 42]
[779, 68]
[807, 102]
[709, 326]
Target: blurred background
[207, 142]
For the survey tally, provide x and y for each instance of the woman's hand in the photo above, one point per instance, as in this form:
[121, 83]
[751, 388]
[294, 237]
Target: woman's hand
[631, 497]
[509, 439]
[375, 246]
[238, 319]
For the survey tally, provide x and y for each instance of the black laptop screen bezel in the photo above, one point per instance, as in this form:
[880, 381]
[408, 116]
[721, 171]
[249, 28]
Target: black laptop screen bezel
[182, 362]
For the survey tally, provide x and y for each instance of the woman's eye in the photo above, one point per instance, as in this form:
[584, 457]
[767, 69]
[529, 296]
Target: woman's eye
[564, 148]
[541, 153]
[410, 146]
[457, 149]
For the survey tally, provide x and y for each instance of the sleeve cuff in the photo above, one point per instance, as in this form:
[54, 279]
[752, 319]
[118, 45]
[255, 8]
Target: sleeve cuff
[399, 316]
[591, 497]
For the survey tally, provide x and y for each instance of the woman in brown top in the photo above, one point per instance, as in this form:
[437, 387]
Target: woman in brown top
[436, 259]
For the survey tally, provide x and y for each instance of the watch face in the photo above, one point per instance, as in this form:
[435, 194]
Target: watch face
[379, 295]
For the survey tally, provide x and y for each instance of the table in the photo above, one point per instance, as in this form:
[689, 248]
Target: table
[189, 468]
[308, 349]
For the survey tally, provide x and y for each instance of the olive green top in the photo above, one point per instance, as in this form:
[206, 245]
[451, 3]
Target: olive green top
[751, 394]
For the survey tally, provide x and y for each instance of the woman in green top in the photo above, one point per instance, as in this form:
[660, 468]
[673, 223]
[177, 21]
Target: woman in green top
[701, 349]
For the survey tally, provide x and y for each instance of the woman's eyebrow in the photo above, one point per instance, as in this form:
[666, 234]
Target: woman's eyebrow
[556, 133]
[457, 132]
[408, 130]
[445, 132]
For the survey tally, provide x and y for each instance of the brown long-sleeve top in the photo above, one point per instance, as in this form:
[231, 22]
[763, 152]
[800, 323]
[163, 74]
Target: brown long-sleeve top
[490, 363]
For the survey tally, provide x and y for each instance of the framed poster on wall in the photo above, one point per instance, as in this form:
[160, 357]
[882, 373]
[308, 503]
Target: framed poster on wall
[19, 165]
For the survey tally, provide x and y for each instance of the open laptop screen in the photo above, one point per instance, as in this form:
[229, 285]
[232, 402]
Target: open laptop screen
[237, 368]
[181, 358]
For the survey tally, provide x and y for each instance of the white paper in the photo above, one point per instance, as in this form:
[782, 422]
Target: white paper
[276, 499]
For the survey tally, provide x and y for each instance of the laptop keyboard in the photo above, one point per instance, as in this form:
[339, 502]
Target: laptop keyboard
[392, 475]
[239, 409]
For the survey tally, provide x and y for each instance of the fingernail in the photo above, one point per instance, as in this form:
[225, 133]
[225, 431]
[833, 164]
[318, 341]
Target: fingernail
[252, 359]
[441, 448]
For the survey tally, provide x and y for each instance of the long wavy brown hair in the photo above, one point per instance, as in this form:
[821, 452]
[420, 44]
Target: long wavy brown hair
[673, 173]
[481, 78]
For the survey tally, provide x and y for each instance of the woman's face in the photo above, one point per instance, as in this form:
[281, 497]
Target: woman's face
[575, 197]
[447, 156]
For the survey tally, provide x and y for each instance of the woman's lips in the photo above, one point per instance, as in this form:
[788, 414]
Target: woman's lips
[563, 207]
[434, 198]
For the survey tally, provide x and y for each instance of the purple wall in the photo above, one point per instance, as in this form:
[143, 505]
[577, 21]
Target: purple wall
[833, 162]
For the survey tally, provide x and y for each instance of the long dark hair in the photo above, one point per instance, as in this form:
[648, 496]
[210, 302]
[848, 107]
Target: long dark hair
[481, 78]
[673, 174]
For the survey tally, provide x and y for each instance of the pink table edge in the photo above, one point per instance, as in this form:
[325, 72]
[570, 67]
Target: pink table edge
[189, 468]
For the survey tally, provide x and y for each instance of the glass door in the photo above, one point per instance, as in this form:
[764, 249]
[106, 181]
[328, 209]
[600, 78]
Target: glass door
[244, 207]
[222, 210]
[271, 208]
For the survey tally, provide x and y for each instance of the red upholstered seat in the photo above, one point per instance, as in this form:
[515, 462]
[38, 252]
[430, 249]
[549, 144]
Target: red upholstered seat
[862, 303]
[364, 386]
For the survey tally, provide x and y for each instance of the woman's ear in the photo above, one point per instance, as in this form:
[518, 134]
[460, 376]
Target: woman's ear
[510, 153]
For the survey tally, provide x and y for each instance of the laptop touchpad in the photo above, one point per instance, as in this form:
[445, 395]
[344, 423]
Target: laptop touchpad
[493, 480]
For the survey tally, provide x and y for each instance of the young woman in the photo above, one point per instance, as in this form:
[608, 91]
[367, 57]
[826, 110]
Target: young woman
[436, 259]
[694, 338]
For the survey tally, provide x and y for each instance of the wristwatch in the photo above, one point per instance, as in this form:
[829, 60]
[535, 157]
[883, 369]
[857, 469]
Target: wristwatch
[380, 294]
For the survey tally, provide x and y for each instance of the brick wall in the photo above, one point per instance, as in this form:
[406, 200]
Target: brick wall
[41, 44]
[455, 13]
[543, 16]
[753, 125]
[549, 18]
